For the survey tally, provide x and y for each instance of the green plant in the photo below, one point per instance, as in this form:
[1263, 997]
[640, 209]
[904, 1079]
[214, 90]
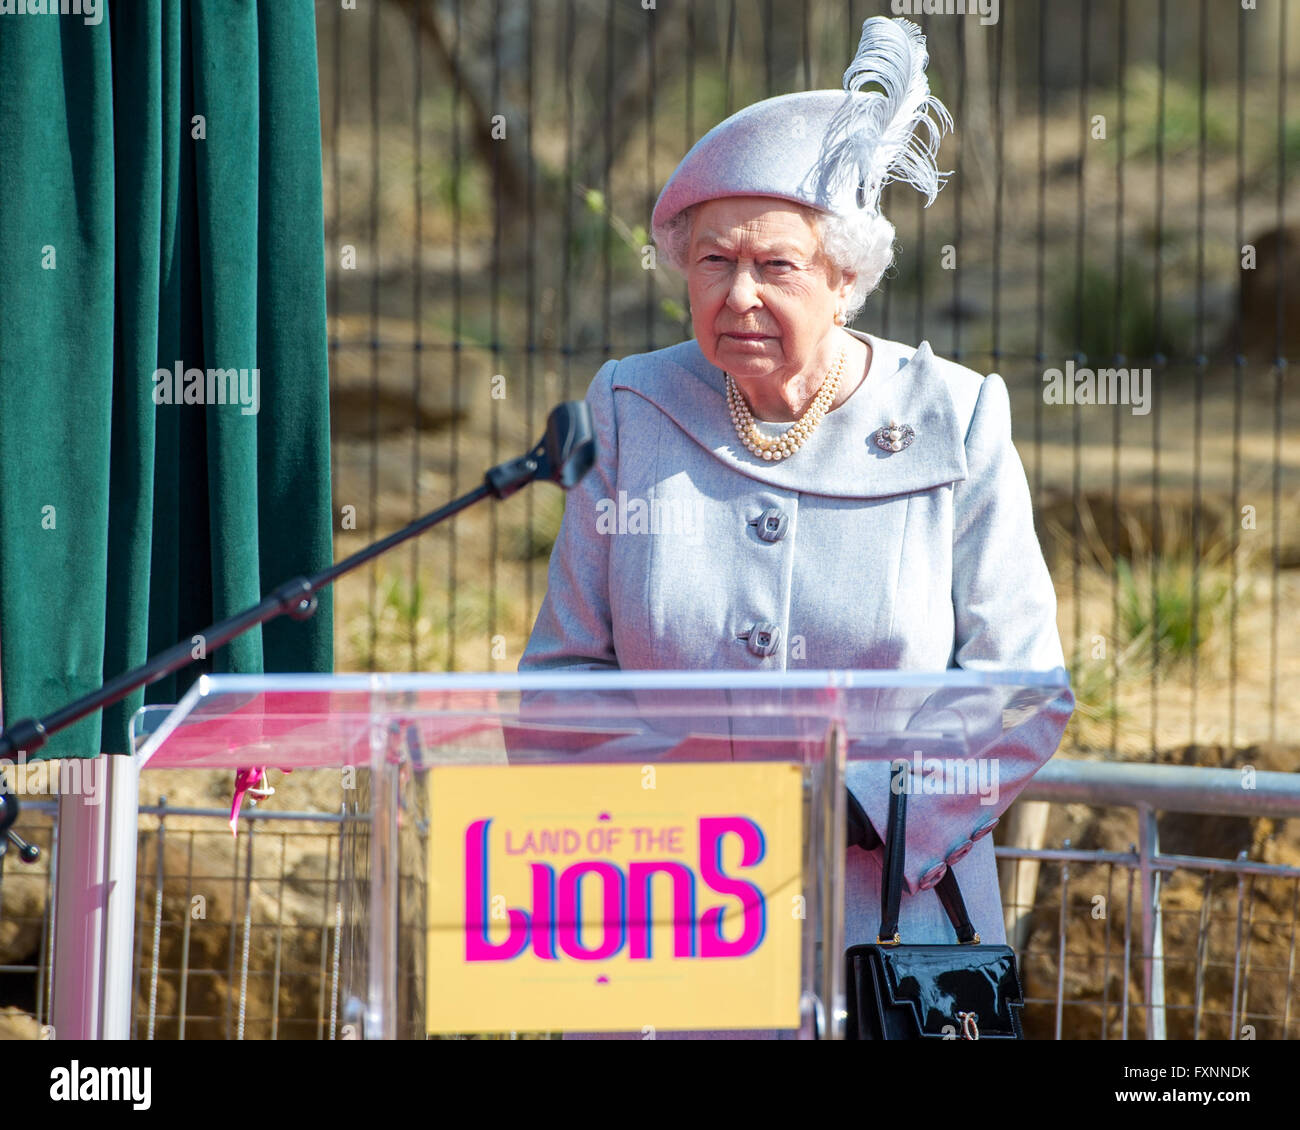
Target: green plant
[404, 609]
[1083, 315]
[1092, 684]
[1171, 605]
[1179, 124]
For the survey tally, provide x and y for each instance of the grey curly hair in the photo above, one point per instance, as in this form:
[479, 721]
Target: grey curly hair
[863, 245]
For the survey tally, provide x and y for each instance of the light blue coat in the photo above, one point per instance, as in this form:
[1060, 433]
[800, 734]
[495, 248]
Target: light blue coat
[680, 543]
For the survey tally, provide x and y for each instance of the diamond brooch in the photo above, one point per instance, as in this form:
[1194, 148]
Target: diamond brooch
[895, 436]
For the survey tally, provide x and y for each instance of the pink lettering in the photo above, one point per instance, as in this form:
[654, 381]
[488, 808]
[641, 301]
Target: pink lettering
[478, 945]
[543, 902]
[548, 841]
[753, 906]
[554, 923]
[613, 910]
[640, 918]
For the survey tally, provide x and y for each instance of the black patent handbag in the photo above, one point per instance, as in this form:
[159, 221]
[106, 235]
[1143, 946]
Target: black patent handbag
[897, 991]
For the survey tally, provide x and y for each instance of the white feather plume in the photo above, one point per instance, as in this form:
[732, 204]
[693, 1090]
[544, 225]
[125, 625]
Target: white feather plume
[888, 134]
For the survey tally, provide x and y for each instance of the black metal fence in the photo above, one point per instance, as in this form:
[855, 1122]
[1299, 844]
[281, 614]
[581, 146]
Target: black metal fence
[1120, 200]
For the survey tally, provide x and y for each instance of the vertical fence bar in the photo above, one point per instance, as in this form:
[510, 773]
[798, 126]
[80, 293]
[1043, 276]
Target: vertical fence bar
[417, 346]
[1156, 394]
[1128, 948]
[45, 978]
[999, 166]
[1289, 996]
[960, 189]
[188, 918]
[136, 965]
[1105, 958]
[1238, 376]
[1236, 957]
[921, 258]
[530, 270]
[1202, 948]
[1040, 253]
[1279, 371]
[325, 932]
[457, 332]
[494, 322]
[1120, 347]
[157, 917]
[1060, 944]
[231, 934]
[373, 516]
[335, 955]
[279, 941]
[4, 854]
[566, 246]
[651, 85]
[1245, 960]
[1153, 957]
[1076, 417]
[332, 257]
[1198, 399]
[246, 946]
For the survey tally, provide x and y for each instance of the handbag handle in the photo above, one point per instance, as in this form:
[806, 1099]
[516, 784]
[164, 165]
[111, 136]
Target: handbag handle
[891, 887]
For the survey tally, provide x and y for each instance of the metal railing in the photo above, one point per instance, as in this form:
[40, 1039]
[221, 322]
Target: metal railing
[1149, 789]
[271, 906]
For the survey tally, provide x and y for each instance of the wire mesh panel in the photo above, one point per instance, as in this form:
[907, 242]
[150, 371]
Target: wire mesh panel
[239, 938]
[27, 924]
[1226, 964]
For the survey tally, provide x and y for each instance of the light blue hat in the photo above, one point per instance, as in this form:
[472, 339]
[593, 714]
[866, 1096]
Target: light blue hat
[834, 150]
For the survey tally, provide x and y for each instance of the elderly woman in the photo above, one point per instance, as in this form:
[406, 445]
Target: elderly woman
[860, 500]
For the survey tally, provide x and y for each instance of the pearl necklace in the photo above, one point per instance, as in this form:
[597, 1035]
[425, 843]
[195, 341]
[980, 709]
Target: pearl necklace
[782, 446]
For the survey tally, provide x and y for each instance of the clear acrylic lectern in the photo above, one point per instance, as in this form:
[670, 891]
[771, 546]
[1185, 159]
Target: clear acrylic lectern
[594, 851]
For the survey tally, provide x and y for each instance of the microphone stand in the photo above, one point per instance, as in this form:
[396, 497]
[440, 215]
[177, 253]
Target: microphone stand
[562, 456]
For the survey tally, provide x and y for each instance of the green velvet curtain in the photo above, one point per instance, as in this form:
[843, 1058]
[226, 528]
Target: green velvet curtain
[160, 205]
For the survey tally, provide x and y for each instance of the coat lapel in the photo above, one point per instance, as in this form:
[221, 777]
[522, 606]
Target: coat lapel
[841, 460]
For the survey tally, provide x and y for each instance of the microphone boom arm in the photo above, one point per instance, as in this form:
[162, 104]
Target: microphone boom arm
[563, 456]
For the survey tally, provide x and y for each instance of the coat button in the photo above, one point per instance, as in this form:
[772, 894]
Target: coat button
[960, 852]
[932, 877]
[772, 524]
[763, 639]
[984, 829]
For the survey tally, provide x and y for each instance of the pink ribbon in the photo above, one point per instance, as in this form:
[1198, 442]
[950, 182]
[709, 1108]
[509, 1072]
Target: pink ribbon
[254, 783]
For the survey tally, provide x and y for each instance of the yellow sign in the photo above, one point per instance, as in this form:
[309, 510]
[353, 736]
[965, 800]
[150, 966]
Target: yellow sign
[614, 898]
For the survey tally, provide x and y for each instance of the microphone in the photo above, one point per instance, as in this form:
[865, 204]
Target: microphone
[570, 443]
[563, 455]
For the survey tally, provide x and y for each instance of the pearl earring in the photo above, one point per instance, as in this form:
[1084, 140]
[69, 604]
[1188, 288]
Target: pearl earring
[839, 317]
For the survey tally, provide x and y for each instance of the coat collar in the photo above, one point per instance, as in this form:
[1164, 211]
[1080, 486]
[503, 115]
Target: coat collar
[841, 460]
